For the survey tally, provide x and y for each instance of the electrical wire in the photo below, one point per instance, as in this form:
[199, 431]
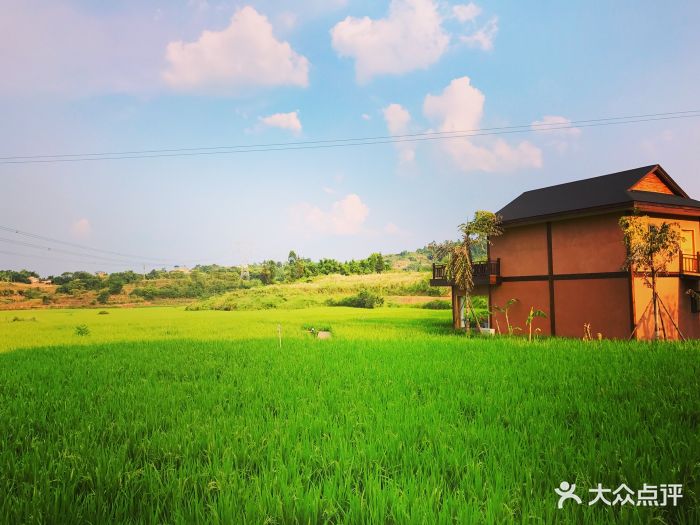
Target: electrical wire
[68, 252]
[83, 247]
[72, 261]
[346, 142]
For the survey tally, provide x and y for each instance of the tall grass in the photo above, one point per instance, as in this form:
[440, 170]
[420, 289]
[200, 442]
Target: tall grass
[395, 420]
[319, 290]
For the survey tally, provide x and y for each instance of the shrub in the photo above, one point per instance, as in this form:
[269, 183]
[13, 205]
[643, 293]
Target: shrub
[437, 304]
[103, 297]
[30, 293]
[82, 330]
[115, 287]
[17, 319]
[364, 299]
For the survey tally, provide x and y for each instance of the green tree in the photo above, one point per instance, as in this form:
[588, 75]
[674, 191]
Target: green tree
[475, 236]
[268, 271]
[376, 263]
[296, 267]
[650, 248]
[103, 297]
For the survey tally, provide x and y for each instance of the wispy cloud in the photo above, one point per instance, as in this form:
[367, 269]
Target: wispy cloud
[484, 37]
[466, 12]
[289, 121]
[81, 228]
[558, 130]
[398, 120]
[345, 216]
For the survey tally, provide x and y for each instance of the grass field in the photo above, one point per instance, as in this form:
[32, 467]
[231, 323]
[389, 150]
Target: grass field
[163, 415]
[318, 290]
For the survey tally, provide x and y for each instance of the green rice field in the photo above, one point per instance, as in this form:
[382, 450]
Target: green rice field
[161, 415]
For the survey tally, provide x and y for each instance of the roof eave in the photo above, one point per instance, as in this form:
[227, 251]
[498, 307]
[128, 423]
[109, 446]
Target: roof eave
[627, 206]
[569, 214]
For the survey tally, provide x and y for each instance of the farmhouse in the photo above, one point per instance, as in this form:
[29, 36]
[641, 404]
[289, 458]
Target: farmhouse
[562, 252]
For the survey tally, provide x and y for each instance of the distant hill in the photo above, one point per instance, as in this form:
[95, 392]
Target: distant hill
[403, 274]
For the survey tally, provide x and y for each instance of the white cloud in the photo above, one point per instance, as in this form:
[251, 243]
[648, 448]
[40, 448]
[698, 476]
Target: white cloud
[288, 121]
[81, 228]
[550, 124]
[411, 37]
[466, 12]
[484, 37]
[345, 217]
[558, 130]
[397, 120]
[365, 116]
[243, 55]
[460, 108]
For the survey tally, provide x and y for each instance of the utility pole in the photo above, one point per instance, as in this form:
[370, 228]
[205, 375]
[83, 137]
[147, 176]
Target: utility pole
[144, 273]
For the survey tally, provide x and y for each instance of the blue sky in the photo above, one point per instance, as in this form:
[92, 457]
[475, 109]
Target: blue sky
[82, 77]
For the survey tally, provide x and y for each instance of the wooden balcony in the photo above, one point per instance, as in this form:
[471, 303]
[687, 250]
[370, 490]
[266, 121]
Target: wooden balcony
[486, 272]
[690, 264]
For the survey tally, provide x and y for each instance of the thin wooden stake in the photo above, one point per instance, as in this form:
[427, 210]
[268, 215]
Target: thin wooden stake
[671, 318]
[279, 333]
[640, 321]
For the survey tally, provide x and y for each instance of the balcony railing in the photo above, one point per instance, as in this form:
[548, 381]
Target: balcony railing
[486, 272]
[690, 263]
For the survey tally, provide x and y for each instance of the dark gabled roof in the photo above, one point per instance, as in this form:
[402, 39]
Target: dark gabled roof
[602, 192]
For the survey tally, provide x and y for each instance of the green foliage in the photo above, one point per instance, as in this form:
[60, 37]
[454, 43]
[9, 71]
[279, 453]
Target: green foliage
[30, 293]
[82, 330]
[475, 237]
[650, 249]
[103, 297]
[115, 287]
[17, 319]
[268, 272]
[318, 291]
[437, 304]
[197, 285]
[504, 310]
[21, 276]
[534, 314]
[364, 299]
[650, 246]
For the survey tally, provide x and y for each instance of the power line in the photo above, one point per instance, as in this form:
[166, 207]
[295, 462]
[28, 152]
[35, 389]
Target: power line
[68, 252]
[347, 142]
[150, 260]
[72, 261]
[541, 126]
